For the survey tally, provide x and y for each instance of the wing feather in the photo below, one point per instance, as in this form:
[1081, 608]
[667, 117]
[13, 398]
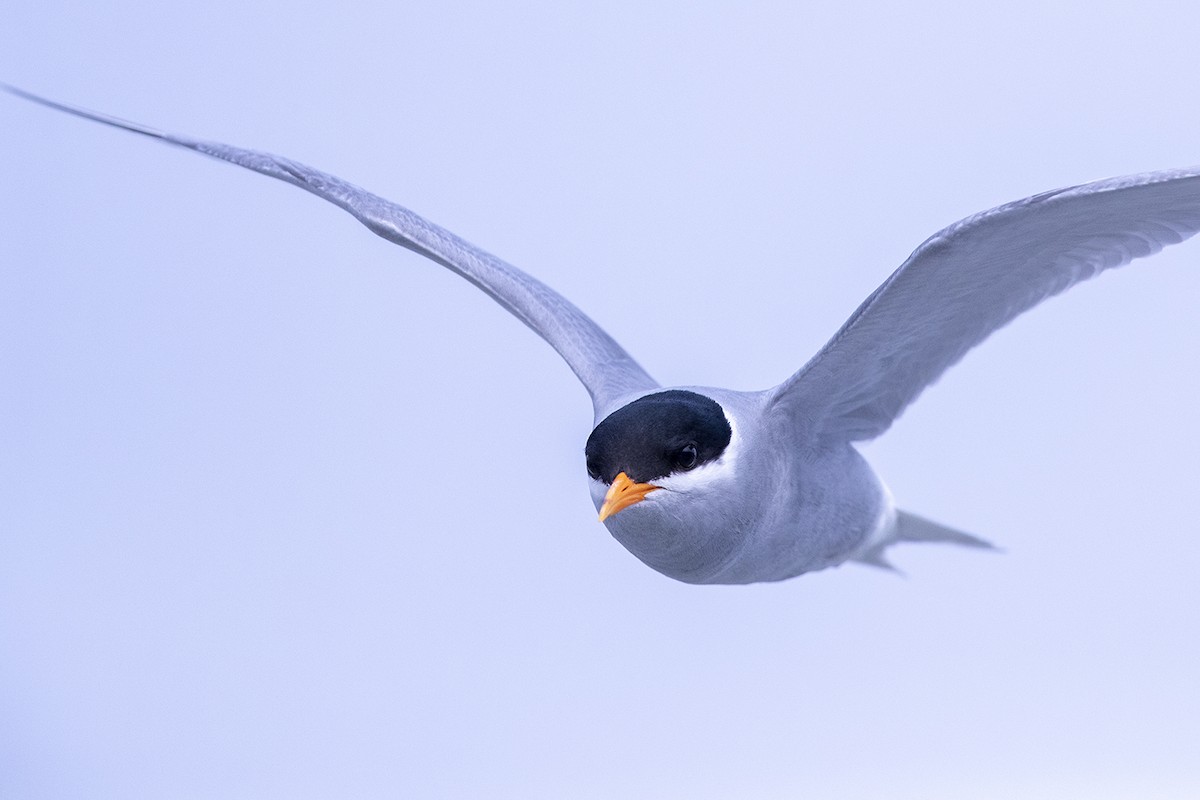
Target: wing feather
[972, 278]
[602, 365]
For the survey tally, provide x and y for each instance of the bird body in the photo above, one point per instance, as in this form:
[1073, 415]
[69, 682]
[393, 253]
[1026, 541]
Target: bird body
[712, 485]
[807, 505]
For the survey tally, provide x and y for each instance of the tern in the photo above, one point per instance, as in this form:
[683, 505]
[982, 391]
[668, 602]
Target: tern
[709, 485]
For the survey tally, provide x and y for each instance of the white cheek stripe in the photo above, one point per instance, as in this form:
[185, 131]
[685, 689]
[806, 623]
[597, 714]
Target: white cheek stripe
[721, 469]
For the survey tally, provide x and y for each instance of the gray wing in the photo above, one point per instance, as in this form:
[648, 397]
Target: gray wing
[604, 368]
[972, 278]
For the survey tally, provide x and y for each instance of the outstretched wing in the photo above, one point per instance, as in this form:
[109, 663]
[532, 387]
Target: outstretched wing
[970, 279]
[604, 368]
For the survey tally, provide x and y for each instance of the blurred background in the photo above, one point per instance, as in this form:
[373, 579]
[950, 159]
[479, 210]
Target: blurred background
[288, 512]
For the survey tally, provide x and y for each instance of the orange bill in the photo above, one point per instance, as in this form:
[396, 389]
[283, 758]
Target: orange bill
[622, 494]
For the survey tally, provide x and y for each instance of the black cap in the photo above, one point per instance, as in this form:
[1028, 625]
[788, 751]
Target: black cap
[657, 435]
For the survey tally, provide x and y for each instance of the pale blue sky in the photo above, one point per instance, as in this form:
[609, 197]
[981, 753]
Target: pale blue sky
[289, 512]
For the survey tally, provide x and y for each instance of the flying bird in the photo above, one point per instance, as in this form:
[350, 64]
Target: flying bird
[711, 485]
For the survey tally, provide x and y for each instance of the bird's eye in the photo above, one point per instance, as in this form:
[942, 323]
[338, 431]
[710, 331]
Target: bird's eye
[593, 470]
[686, 457]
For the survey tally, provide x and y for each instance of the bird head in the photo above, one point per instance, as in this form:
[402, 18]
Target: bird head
[662, 472]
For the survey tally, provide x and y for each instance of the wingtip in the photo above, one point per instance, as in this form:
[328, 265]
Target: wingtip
[18, 91]
[25, 94]
[94, 116]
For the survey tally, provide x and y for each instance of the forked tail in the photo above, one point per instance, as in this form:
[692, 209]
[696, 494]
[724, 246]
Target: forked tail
[911, 528]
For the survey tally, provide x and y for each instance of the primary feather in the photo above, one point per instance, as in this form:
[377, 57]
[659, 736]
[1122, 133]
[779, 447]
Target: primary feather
[971, 278]
[602, 365]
